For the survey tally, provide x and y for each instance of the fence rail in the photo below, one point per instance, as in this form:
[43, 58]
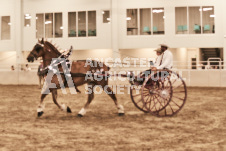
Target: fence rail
[195, 65]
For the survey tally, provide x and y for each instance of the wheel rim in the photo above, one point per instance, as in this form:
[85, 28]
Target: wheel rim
[135, 94]
[179, 91]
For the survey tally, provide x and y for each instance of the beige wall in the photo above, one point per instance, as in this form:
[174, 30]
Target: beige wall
[94, 53]
[7, 59]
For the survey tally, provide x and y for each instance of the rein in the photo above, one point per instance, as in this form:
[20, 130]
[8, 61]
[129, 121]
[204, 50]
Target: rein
[34, 54]
[57, 62]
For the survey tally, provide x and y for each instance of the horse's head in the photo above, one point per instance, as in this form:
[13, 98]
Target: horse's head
[37, 51]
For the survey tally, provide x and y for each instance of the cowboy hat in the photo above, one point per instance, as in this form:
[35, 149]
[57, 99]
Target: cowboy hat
[158, 50]
[164, 45]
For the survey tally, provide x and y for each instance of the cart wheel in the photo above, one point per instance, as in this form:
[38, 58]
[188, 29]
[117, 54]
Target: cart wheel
[156, 93]
[169, 97]
[135, 94]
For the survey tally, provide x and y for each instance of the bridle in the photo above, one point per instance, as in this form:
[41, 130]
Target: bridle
[35, 55]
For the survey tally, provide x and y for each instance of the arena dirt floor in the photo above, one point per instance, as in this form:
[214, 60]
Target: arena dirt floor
[200, 125]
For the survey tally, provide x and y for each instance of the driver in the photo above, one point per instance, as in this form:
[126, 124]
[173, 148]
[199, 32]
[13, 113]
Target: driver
[166, 61]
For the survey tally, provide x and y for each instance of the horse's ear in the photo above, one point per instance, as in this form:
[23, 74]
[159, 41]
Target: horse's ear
[42, 41]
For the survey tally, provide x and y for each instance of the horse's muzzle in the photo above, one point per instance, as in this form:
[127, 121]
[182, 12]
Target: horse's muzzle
[30, 59]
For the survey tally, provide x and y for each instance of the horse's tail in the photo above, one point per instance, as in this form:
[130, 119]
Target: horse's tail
[108, 68]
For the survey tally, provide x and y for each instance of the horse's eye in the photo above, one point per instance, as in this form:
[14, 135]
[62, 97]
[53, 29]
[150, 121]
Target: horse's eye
[37, 50]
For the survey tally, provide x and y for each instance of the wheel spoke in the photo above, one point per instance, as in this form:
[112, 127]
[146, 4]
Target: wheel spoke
[175, 103]
[174, 81]
[178, 91]
[171, 108]
[154, 104]
[178, 86]
[145, 102]
[158, 100]
[150, 103]
[179, 98]
[139, 101]
[136, 95]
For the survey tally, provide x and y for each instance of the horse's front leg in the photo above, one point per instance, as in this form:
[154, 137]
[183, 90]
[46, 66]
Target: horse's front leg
[62, 107]
[82, 112]
[41, 106]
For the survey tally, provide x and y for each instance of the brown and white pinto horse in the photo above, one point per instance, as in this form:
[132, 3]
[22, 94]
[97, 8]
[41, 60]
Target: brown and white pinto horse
[47, 51]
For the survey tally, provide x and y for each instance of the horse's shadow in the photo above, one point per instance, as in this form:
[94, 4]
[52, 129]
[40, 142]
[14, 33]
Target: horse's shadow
[93, 117]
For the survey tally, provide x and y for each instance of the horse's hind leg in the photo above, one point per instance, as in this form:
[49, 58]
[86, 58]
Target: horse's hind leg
[62, 107]
[109, 91]
[82, 112]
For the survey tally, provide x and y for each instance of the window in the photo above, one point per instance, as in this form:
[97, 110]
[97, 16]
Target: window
[58, 25]
[39, 25]
[181, 20]
[82, 24]
[91, 23]
[197, 24]
[194, 20]
[49, 25]
[106, 16]
[158, 20]
[145, 21]
[72, 24]
[5, 28]
[208, 19]
[132, 22]
[27, 20]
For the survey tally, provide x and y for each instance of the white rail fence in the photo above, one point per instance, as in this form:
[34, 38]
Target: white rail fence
[202, 77]
[194, 65]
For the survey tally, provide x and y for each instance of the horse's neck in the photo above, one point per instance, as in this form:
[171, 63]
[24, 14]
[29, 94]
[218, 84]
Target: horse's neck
[47, 58]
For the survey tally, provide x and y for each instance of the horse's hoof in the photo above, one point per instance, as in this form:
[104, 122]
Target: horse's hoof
[121, 114]
[40, 113]
[68, 110]
[80, 115]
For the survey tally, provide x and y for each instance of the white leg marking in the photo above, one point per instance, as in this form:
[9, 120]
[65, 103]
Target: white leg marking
[63, 107]
[82, 112]
[120, 109]
[41, 108]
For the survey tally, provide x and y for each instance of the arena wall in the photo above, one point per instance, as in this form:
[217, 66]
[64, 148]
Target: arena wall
[210, 78]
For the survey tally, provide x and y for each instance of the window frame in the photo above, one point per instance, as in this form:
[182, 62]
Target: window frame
[139, 22]
[201, 21]
[10, 19]
[44, 25]
[86, 22]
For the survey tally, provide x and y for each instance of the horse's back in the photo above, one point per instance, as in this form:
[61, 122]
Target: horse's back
[83, 66]
[90, 66]
[79, 67]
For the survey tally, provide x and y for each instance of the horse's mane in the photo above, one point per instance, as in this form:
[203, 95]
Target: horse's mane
[51, 46]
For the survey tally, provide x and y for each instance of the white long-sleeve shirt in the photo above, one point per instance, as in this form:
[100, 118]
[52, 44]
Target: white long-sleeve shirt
[167, 60]
[157, 61]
